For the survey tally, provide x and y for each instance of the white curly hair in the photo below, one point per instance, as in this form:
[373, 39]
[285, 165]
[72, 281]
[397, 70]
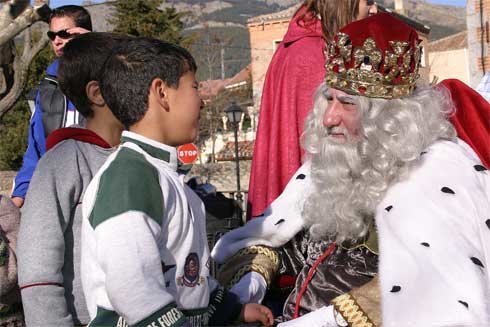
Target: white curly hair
[351, 179]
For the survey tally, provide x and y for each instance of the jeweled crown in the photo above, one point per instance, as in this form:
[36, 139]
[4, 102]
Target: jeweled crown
[377, 57]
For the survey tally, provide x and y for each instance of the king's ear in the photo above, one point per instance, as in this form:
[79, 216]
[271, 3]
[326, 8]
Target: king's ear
[92, 89]
[159, 91]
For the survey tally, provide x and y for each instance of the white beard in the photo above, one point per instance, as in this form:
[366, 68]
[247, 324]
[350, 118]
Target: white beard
[335, 210]
[351, 180]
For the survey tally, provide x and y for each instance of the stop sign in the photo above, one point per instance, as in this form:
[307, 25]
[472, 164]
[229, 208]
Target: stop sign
[187, 153]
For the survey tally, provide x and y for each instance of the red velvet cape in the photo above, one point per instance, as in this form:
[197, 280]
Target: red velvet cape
[296, 70]
[472, 117]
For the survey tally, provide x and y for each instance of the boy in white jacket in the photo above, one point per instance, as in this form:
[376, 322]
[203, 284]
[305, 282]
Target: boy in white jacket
[145, 259]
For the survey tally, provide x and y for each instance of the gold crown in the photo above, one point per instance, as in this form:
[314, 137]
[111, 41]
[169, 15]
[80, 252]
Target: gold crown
[370, 72]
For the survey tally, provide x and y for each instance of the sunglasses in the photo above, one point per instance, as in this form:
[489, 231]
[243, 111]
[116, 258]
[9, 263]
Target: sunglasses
[62, 34]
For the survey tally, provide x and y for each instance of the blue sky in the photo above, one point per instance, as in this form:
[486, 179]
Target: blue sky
[56, 3]
[460, 3]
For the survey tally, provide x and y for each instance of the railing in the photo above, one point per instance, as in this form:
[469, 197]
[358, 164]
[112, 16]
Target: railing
[216, 228]
[241, 197]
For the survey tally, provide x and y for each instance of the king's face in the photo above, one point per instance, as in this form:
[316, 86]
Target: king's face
[342, 117]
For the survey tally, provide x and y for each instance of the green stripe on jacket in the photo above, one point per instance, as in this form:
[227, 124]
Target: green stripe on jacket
[130, 183]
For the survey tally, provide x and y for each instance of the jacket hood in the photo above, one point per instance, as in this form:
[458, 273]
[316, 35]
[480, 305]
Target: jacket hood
[297, 29]
[75, 133]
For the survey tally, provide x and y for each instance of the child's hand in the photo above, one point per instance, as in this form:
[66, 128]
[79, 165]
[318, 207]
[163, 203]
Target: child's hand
[253, 312]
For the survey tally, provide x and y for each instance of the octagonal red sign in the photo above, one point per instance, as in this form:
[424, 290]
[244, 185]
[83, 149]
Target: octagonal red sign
[187, 153]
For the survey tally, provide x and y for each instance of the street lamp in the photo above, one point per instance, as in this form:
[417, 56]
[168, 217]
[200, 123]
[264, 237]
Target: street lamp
[234, 113]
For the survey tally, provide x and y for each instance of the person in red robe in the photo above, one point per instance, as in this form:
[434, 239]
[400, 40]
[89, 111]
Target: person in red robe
[294, 73]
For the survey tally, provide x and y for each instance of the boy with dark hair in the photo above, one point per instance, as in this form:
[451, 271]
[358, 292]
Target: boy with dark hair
[49, 237]
[145, 258]
[53, 110]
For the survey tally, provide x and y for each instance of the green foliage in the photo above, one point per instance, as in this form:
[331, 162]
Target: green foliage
[13, 136]
[38, 66]
[14, 125]
[144, 18]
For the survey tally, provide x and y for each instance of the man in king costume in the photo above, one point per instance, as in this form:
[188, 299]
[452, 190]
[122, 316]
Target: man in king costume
[385, 171]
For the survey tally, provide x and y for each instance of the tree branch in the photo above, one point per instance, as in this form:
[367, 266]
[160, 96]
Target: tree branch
[27, 41]
[28, 56]
[17, 16]
[28, 17]
[11, 10]
[21, 67]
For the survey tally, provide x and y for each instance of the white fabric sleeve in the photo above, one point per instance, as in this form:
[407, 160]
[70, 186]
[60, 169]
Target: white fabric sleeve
[323, 317]
[250, 288]
[280, 223]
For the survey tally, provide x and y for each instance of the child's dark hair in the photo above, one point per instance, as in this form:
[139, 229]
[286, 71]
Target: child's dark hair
[130, 70]
[82, 60]
[79, 14]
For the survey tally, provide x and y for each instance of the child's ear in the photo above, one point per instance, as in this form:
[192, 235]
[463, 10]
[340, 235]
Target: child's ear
[160, 91]
[92, 89]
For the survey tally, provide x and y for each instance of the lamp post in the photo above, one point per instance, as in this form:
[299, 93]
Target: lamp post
[234, 113]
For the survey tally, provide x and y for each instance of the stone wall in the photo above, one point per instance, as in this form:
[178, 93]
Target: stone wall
[222, 174]
[6, 180]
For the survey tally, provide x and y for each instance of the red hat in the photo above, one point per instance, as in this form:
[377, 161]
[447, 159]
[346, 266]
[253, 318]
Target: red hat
[377, 57]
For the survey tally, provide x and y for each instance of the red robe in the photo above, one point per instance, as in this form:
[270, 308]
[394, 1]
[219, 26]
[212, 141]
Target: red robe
[296, 70]
[472, 117]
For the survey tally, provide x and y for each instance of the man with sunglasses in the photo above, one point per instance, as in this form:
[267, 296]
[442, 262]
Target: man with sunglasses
[53, 110]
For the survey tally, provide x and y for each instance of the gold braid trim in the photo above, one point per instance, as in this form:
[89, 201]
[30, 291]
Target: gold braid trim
[350, 310]
[259, 249]
[261, 259]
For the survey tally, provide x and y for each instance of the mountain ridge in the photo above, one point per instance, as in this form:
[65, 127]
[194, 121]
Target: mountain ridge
[221, 24]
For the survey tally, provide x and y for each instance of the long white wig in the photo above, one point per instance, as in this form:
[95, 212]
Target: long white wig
[351, 179]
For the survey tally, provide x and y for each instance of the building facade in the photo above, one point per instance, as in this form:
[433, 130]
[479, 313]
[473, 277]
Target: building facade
[267, 32]
[444, 53]
[477, 16]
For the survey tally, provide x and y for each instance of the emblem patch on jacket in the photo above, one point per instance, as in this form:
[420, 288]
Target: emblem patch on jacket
[191, 276]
